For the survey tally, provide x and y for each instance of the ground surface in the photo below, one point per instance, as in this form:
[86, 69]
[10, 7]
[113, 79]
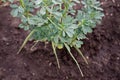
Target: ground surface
[102, 49]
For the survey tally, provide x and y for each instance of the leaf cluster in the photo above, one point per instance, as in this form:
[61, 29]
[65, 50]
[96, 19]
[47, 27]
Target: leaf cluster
[53, 22]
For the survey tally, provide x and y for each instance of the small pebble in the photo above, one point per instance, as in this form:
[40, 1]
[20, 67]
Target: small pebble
[107, 14]
[113, 1]
[66, 77]
[50, 64]
[4, 39]
[118, 5]
[25, 64]
[10, 69]
[111, 14]
[87, 57]
[118, 58]
[33, 74]
[7, 44]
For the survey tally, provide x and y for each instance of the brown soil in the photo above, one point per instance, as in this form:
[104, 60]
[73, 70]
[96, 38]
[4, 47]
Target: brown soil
[102, 49]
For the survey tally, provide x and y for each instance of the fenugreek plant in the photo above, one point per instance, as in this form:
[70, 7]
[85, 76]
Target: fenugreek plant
[57, 22]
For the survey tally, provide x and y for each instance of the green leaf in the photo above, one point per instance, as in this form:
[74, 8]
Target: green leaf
[57, 14]
[31, 21]
[37, 2]
[21, 9]
[24, 19]
[57, 1]
[43, 11]
[81, 36]
[70, 30]
[86, 29]
[11, 1]
[56, 38]
[63, 33]
[26, 28]
[14, 12]
[79, 43]
[77, 1]
[67, 20]
[13, 6]
[70, 33]
[21, 26]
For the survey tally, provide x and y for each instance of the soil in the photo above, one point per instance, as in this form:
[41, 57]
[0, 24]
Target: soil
[102, 49]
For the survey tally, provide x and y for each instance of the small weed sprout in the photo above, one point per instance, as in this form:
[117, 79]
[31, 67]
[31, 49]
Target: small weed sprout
[56, 21]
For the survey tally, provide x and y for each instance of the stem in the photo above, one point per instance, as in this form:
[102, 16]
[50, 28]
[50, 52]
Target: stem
[67, 47]
[25, 41]
[22, 3]
[54, 23]
[66, 6]
[81, 54]
[54, 50]
[52, 10]
[34, 44]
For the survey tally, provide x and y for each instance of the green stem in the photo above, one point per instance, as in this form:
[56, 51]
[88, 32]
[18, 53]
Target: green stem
[34, 44]
[66, 6]
[54, 23]
[81, 54]
[67, 47]
[54, 50]
[25, 41]
[22, 3]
